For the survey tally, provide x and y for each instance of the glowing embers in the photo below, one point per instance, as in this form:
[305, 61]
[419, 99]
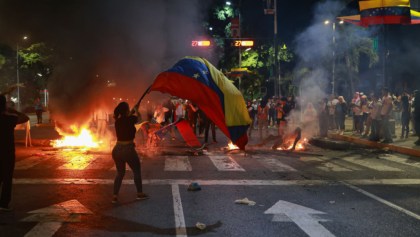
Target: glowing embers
[79, 137]
[288, 145]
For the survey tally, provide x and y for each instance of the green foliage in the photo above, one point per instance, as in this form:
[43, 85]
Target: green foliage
[36, 53]
[223, 13]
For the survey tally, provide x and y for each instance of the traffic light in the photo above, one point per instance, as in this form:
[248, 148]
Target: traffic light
[200, 43]
[243, 43]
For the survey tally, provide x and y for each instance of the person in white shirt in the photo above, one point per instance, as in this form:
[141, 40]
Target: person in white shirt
[159, 114]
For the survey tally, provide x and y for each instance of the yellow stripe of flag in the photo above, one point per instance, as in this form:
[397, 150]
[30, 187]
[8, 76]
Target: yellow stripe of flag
[370, 4]
[236, 113]
[415, 14]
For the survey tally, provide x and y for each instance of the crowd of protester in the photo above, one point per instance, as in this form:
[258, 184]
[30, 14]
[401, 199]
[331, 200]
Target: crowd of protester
[379, 117]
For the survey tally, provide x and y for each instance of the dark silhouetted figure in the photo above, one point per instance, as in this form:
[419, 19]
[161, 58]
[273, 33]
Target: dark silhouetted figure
[8, 120]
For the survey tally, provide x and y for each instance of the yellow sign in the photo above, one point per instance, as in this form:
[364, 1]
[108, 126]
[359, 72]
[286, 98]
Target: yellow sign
[200, 43]
[243, 43]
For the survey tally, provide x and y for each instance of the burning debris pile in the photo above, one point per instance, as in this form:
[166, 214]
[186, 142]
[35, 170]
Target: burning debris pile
[80, 137]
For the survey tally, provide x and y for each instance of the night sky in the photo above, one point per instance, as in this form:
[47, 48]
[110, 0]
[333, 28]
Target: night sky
[131, 41]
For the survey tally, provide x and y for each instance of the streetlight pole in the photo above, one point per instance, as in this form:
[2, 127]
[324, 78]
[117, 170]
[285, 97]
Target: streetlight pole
[333, 54]
[276, 53]
[17, 73]
[17, 76]
[333, 63]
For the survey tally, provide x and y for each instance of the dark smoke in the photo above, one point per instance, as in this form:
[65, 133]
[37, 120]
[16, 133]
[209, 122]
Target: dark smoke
[124, 42]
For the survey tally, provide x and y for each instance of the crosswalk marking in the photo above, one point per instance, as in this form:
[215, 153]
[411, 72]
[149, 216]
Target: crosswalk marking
[225, 163]
[370, 163]
[101, 163]
[326, 164]
[177, 163]
[400, 160]
[274, 164]
[79, 162]
[30, 162]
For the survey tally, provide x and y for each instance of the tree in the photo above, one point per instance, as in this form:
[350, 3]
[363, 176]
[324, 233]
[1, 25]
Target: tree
[35, 69]
[356, 43]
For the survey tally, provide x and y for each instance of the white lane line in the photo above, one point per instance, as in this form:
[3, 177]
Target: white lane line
[239, 182]
[181, 230]
[30, 162]
[326, 165]
[274, 164]
[177, 163]
[383, 201]
[371, 163]
[400, 160]
[225, 163]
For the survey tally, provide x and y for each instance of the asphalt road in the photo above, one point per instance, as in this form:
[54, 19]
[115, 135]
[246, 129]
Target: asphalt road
[318, 192]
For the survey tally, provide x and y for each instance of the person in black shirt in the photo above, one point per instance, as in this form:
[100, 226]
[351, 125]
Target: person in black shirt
[124, 151]
[8, 120]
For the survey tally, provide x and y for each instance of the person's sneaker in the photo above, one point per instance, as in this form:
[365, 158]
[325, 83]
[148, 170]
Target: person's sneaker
[114, 199]
[142, 196]
[6, 209]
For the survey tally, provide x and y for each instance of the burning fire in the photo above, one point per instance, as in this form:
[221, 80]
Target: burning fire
[232, 146]
[81, 137]
[288, 145]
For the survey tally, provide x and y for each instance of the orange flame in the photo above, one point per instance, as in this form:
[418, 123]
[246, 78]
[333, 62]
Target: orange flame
[81, 137]
[232, 146]
[288, 145]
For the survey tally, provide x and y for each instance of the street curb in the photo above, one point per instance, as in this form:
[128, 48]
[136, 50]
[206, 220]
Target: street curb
[334, 144]
[377, 145]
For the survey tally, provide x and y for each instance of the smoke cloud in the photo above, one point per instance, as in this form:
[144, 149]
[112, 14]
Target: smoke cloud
[314, 50]
[132, 43]
[124, 44]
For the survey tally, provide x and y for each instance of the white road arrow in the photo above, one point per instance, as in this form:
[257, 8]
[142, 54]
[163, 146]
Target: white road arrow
[287, 211]
[52, 218]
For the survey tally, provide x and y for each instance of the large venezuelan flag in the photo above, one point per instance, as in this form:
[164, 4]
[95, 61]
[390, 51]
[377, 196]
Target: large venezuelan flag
[376, 12]
[196, 79]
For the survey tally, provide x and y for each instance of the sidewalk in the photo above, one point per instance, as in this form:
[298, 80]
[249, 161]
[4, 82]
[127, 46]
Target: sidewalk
[403, 146]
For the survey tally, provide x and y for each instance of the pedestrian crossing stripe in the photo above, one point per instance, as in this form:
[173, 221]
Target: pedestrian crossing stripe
[177, 163]
[225, 163]
[326, 164]
[222, 163]
[228, 182]
[400, 160]
[274, 164]
[30, 162]
[369, 163]
[79, 162]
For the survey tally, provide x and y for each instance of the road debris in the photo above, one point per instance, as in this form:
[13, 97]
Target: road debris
[245, 201]
[200, 226]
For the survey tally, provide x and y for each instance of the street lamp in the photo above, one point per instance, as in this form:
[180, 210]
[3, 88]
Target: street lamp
[272, 10]
[327, 22]
[17, 72]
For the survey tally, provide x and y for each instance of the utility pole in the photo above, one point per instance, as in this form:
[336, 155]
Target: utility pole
[276, 53]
